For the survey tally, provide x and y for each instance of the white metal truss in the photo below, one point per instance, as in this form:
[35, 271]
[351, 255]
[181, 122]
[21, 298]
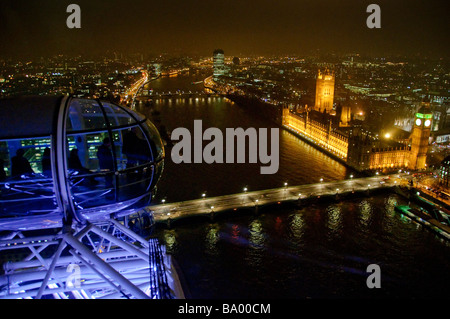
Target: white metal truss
[102, 260]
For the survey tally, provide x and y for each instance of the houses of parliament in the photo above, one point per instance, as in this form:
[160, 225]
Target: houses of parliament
[336, 131]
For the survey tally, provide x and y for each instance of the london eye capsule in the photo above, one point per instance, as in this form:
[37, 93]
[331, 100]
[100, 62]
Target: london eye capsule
[67, 159]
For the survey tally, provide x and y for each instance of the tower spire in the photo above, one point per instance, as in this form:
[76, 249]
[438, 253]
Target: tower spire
[324, 91]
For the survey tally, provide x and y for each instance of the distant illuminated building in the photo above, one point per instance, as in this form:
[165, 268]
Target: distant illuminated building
[319, 129]
[218, 64]
[420, 136]
[157, 68]
[444, 172]
[346, 116]
[324, 91]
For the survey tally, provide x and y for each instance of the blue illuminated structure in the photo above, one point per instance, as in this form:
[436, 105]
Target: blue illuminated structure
[75, 174]
[74, 159]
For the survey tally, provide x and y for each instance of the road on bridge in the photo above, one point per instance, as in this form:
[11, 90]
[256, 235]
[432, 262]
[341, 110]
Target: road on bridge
[207, 205]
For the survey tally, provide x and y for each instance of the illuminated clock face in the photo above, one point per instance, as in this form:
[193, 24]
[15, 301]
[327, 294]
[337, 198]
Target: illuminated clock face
[418, 122]
[427, 123]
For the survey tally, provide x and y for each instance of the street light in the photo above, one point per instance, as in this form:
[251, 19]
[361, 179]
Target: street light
[245, 189]
[203, 195]
[163, 201]
[321, 180]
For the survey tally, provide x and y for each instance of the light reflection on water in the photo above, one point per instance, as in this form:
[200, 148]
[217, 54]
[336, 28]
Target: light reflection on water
[257, 237]
[211, 239]
[297, 225]
[366, 210]
[334, 220]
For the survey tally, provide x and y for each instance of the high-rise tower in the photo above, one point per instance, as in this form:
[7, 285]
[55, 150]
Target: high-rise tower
[218, 63]
[346, 116]
[324, 91]
[420, 135]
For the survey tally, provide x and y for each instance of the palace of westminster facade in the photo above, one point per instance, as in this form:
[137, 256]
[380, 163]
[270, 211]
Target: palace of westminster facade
[337, 133]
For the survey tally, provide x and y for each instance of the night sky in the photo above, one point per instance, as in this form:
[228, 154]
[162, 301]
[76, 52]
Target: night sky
[38, 28]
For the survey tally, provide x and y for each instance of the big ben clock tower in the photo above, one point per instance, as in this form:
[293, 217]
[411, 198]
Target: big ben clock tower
[420, 136]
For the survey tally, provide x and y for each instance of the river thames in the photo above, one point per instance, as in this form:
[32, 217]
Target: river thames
[319, 251]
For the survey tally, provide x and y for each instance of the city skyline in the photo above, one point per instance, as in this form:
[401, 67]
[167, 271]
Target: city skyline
[190, 27]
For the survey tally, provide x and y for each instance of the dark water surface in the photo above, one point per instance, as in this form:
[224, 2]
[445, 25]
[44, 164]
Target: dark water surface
[320, 251]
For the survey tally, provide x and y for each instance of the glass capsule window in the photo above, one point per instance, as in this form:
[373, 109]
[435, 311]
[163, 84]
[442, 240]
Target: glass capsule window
[117, 116]
[91, 169]
[26, 183]
[134, 161]
[155, 140]
[85, 115]
[113, 161]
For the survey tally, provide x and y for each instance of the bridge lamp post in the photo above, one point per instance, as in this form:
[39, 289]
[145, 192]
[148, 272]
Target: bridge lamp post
[243, 197]
[163, 201]
[203, 195]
